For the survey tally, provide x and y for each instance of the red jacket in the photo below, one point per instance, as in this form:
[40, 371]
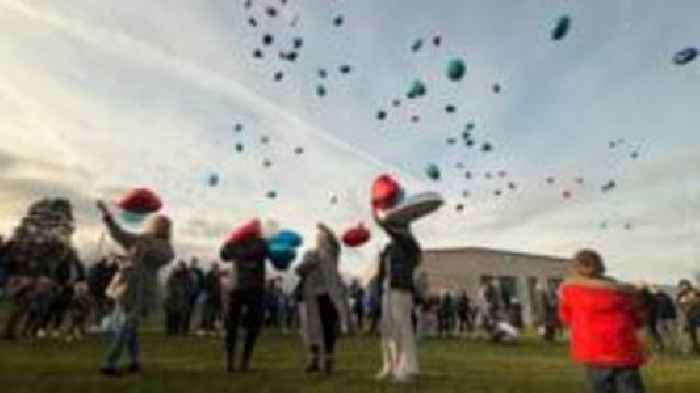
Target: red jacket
[604, 317]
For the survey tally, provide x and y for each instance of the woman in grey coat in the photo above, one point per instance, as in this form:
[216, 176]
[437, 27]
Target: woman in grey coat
[325, 300]
[147, 253]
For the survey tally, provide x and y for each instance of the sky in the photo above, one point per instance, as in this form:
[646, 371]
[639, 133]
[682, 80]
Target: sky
[100, 96]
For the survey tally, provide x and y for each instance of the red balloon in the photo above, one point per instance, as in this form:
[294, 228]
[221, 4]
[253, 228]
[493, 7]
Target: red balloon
[385, 192]
[356, 236]
[566, 194]
[250, 230]
[140, 200]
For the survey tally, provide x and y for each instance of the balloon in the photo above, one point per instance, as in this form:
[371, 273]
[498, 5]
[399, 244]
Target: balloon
[417, 44]
[512, 186]
[496, 88]
[417, 89]
[252, 22]
[497, 192]
[278, 76]
[320, 90]
[132, 218]
[298, 42]
[245, 232]
[469, 126]
[271, 11]
[356, 236]
[459, 207]
[140, 200]
[566, 194]
[338, 20]
[550, 180]
[455, 70]
[608, 186]
[469, 142]
[299, 150]
[238, 127]
[437, 40]
[396, 103]
[685, 56]
[345, 69]
[257, 53]
[271, 194]
[451, 141]
[486, 147]
[415, 119]
[634, 155]
[450, 108]
[381, 115]
[281, 255]
[213, 180]
[287, 237]
[433, 172]
[385, 192]
[265, 140]
[562, 28]
[322, 73]
[239, 147]
[267, 39]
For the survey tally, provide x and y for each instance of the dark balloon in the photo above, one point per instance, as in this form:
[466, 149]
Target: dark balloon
[550, 180]
[396, 103]
[450, 108]
[267, 163]
[502, 174]
[213, 180]
[268, 39]
[437, 40]
[338, 20]
[512, 186]
[562, 28]
[466, 194]
[566, 194]
[433, 172]
[299, 150]
[252, 22]
[469, 142]
[455, 70]
[415, 119]
[634, 155]
[257, 53]
[685, 56]
[417, 44]
[265, 140]
[451, 141]
[278, 76]
[486, 147]
[496, 88]
[271, 194]
[609, 186]
[345, 69]
[579, 180]
[322, 73]
[320, 90]
[239, 147]
[271, 11]
[238, 127]
[459, 207]
[468, 175]
[381, 115]
[298, 42]
[498, 193]
[469, 126]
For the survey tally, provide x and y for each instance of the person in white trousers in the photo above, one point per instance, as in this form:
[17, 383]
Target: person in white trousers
[398, 262]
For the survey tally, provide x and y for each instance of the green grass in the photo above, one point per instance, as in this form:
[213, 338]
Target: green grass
[196, 365]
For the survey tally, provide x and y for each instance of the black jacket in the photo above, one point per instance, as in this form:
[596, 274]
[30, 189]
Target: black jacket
[249, 259]
[63, 270]
[403, 255]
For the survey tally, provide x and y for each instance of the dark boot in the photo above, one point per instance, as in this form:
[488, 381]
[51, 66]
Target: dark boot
[329, 364]
[314, 362]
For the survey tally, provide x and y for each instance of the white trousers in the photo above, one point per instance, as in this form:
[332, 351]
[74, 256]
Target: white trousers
[398, 338]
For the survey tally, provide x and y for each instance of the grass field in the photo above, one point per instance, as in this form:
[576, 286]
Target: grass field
[192, 365]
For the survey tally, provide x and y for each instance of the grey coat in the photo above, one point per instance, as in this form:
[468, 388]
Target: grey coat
[147, 255]
[319, 272]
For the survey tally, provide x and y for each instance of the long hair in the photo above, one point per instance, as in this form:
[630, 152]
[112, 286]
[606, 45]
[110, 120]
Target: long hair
[588, 263]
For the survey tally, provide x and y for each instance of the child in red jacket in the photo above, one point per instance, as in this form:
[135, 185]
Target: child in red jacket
[604, 317]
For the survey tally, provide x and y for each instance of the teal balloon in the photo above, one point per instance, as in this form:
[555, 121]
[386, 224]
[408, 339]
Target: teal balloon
[132, 218]
[433, 172]
[417, 89]
[287, 237]
[281, 255]
[456, 69]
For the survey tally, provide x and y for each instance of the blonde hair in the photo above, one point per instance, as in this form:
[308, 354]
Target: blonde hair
[589, 263]
[159, 227]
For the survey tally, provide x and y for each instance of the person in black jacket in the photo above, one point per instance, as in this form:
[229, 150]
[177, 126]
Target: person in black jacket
[397, 264]
[212, 306]
[99, 277]
[249, 292]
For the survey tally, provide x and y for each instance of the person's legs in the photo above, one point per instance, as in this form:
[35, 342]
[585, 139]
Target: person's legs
[116, 347]
[629, 380]
[234, 315]
[693, 324]
[134, 348]
[254, 302]
[600, 379]
[652, 328]
[389, 343]
[402, 306]
[329, 324]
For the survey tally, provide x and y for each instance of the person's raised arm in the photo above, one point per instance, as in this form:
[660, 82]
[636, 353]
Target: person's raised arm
[124, 238]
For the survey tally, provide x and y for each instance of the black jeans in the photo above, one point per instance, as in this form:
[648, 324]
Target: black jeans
[329, 323]
[614, 380]
[253, 301]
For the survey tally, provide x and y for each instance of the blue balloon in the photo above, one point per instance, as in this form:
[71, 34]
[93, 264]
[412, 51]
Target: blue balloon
[287, 237]
[281, 255]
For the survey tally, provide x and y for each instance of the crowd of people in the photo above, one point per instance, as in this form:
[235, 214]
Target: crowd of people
[118, 291]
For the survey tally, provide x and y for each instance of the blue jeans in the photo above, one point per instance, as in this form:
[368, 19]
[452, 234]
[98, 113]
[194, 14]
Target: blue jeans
[126, 336]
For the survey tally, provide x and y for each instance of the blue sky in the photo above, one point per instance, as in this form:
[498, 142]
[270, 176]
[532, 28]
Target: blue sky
[97, 96]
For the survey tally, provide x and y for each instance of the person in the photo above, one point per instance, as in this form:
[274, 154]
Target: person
[666, 315]
[357, 294]
[375, 305]
[326, 305]
[397, 264]
[98, 278]
[603, 316]
[147, 253]
[446, 314]
[545, 313]
[688, 300]
[249, 259]
[464, 312]
[69, 273]
[177, 300]
[272, 302]
[212, 305]
[196, 292]
[652, 315]
[78, 312]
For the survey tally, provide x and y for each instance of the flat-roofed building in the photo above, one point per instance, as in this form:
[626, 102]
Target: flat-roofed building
[517, 273]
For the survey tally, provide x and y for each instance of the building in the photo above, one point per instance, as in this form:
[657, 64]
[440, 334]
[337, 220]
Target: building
[517, 274]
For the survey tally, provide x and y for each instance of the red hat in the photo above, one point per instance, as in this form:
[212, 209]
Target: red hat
[250, 230]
